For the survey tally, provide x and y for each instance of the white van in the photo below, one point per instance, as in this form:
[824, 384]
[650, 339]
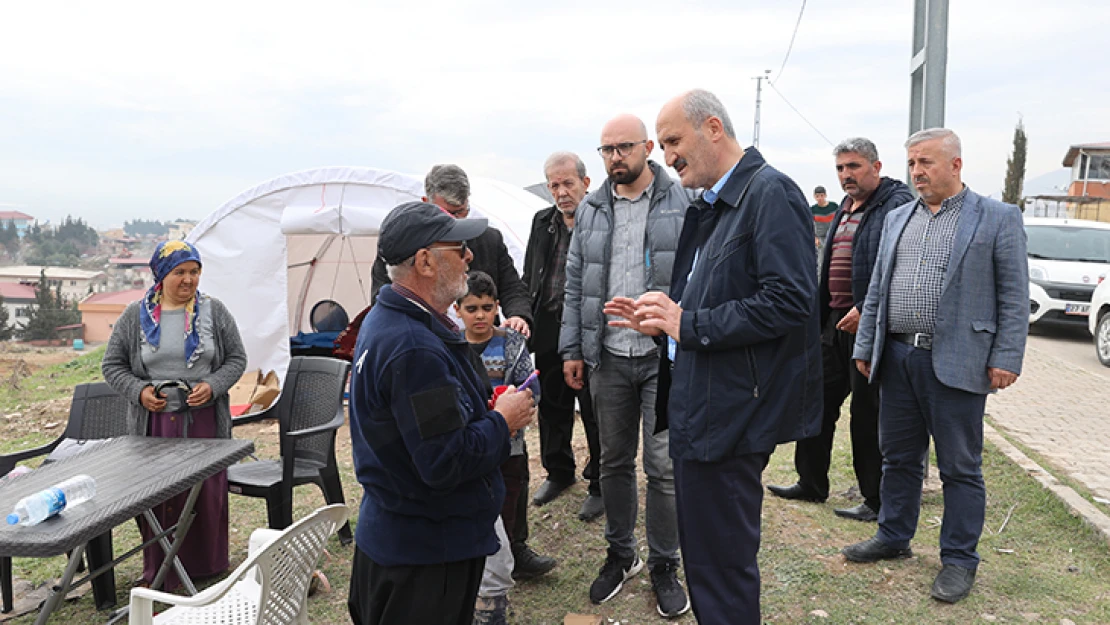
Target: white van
[1099, 324]
[1068, 258]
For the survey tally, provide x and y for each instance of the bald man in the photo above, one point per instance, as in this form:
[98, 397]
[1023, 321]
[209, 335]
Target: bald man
[624, 243]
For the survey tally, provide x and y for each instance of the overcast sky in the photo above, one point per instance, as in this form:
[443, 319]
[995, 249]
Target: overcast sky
[116, 110]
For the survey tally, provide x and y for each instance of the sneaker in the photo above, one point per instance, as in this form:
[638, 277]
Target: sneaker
[612, 576]
[529, 565]
[669, 595]
[491, 610]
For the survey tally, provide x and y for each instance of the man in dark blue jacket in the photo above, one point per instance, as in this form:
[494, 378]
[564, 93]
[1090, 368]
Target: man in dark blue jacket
[427, 449]
[850, 250]
[741, 371]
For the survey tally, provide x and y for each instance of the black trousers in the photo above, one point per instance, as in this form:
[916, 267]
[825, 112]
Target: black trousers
[514, 512]
[434, 594]
[719, 506]
[812, 455]
[557, 421]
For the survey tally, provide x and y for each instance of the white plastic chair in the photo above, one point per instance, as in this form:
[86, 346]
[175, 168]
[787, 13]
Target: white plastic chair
[269, 588]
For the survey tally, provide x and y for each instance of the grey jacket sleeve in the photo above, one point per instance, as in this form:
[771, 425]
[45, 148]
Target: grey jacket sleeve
[570, 337]
[116, 365]
[231, 347]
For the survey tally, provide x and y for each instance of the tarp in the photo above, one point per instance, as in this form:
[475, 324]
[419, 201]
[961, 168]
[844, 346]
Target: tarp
[273, 251]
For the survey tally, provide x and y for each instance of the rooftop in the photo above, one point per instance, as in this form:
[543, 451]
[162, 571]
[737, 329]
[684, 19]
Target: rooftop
[12, 215]
[31, 272]
[1074, 150]
[117, 297]
[12, 291]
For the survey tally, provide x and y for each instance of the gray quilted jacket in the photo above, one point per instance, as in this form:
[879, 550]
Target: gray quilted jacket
[584, 323]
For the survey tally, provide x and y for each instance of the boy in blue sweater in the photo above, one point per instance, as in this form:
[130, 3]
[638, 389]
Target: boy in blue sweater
[506, 361]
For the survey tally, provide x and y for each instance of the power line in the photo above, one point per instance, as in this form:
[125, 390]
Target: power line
[791, 46]
[793, 108]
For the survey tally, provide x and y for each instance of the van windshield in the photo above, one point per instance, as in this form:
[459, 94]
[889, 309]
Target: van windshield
[1089, 245]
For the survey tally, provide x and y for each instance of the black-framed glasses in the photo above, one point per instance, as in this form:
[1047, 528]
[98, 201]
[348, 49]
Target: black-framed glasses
[461, 248]
[624, 149]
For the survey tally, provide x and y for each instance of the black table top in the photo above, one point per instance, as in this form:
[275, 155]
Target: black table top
[132, 473]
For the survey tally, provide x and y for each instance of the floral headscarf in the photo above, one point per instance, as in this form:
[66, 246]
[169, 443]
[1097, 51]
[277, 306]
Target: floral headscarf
[167, 255]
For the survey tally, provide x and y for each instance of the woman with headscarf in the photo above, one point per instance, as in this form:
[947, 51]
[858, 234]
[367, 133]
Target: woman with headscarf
[176, 333]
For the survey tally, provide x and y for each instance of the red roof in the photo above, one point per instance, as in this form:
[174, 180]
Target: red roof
[129, 262]
[117, 297]
[9, 215]
[13, 291]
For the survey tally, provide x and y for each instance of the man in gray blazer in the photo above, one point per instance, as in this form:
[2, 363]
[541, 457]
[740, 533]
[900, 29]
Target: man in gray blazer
[944, 323]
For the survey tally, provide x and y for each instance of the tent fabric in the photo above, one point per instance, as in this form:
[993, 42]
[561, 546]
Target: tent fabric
[273, 251]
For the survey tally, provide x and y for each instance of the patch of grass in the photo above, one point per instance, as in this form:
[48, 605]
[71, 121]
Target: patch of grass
[51, 382]
[1059, 568]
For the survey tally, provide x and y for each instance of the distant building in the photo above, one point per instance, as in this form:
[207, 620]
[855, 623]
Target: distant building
[1090, 170]
[22, 221]
[179, 229]
[17, 300]
[75, 283]
[100, 311]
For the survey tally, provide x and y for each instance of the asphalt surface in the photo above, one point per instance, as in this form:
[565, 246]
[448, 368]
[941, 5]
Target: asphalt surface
[1071, 343]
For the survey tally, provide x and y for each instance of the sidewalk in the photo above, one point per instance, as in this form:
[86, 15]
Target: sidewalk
[1061, 412]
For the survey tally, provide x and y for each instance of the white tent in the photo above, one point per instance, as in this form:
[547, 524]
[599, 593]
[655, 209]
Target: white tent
[275, 250]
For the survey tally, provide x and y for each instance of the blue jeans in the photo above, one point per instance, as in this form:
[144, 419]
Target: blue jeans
[623, 391]
[915, 405]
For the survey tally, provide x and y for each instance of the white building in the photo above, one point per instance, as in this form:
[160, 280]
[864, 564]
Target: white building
[75, 283]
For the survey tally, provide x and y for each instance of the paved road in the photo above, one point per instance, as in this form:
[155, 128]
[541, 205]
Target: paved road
[1071, 343]
[1059, 406]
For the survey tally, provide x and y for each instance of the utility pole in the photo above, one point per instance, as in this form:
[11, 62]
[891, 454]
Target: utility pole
[758, 93]
[929, 64]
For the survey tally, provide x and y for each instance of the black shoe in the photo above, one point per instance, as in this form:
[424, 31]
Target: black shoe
[796, 492]
[862, 512]
[549, 490]
[592, 507]
[529, 564]
[953, 583]
[873, 550]
[670, 598]
[612, 576]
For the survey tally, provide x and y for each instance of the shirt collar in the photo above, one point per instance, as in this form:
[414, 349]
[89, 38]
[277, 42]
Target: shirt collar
[645, 194]
[735, 181]
[715, 190]
[952, 202]
[419, 301]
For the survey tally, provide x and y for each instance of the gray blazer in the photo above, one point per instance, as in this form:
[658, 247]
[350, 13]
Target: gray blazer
[983, 313]
[124, 371]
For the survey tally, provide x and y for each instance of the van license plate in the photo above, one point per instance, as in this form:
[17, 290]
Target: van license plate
[1077, 309]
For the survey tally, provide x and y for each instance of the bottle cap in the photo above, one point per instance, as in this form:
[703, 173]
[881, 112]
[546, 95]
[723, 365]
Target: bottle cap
[13, 519]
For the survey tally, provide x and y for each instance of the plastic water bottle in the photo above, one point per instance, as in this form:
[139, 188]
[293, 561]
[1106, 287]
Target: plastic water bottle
[36, 508]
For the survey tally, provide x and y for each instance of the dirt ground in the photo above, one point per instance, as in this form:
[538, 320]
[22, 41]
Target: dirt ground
[17, 362]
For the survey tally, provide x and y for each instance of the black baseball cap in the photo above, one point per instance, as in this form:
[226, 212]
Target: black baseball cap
[416, 225]
[819, 190]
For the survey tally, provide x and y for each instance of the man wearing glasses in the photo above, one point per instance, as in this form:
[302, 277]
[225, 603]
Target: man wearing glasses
[625, 236]
[427, 447]
[448, 187]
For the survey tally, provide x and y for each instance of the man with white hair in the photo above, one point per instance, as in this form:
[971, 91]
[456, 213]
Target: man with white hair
[741, 365]
[944, 323]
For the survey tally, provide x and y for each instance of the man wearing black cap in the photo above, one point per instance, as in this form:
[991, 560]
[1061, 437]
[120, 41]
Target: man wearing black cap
[426, 447]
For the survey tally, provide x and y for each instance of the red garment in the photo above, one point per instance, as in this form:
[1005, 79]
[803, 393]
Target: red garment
[204, 552]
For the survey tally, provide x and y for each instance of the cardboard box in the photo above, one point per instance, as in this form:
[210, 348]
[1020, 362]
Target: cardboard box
[255, 390]
[582, 619]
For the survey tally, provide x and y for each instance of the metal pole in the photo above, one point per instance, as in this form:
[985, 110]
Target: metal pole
[758, 93]
[928, 65]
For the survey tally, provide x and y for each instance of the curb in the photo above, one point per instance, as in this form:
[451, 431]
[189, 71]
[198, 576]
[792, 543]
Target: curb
[1078, 506]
